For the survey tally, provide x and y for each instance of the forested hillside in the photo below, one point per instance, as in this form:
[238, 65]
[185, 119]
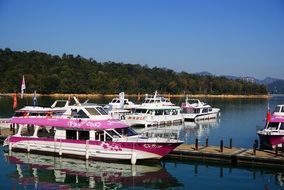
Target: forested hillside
[47, 73]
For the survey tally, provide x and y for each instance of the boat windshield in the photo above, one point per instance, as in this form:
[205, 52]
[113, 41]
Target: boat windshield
[191, 101]
[279, 109]
[115, 100]
[126, 131]
[272, 125]
[140, 110]
[97, 111]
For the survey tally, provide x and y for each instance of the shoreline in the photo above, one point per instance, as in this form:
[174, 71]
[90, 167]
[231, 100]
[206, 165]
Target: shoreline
[227, 96]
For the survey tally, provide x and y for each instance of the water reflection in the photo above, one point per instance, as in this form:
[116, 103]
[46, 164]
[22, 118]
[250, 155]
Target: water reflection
[205, 175]
[199, 129]
[185, 132]
[48, 172]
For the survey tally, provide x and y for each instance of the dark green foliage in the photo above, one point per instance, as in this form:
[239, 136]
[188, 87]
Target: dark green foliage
[46, 73]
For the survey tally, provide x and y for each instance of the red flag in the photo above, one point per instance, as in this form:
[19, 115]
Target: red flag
[268, 116]
[15, 101]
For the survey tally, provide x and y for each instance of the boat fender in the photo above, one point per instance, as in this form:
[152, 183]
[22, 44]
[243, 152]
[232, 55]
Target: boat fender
[133, 158]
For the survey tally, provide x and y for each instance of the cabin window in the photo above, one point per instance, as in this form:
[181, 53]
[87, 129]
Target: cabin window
[71, 134]
[82, 114]
[43, 132]
[158, 112]
[282, 126]
[140, 111]
[167, 112]
[83, 135]
[277, 109]
[108, 137]
[33, 114]
[126, 131]
[273, 125]
[101, 110]
[19, 114]
[205, 110]
[282, 109]
[93, 111]
[73, 112]
[174, 112]
[99, 136]
[197, 111]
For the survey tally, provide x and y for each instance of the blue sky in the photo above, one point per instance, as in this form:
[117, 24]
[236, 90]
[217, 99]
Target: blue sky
[224, 37]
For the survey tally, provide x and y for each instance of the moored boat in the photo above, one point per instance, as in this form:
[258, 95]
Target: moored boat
[195, 110]
[86, 131]
[273, 133]
[151, 114]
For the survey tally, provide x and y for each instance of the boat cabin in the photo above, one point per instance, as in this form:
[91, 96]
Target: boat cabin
[153, 111]
[275, 126]
[279, 110]
[203, 110]
[60, 133]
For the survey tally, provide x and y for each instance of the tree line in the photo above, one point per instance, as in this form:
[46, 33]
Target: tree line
[48, 74]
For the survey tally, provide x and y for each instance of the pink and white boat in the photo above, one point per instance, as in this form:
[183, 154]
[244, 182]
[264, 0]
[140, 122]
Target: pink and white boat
[273, 133]
[85, 131]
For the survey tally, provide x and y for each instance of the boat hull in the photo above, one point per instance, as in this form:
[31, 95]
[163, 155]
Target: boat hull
[270, 141]
[200, 117]
[92, 149]
[146, 120]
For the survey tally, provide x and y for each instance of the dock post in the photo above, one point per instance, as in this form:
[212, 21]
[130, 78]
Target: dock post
[254, 151]
[231, 143]
[206, 141]
[196, 144]
[276, 150]
[221, 146]
[255, 145]
[282, 148]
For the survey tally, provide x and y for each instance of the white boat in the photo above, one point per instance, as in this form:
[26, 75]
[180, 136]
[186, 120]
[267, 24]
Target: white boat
[156, 110]
[85, 130]
[119, 107]
[157, 100]
[119, 103]
[195, 110]
[152, 114]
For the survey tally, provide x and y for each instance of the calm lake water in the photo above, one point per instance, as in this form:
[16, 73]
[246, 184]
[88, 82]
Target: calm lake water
[239, 121]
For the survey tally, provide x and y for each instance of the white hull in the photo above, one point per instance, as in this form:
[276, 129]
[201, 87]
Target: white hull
[82, 150]
[200, 116]
[145, 120]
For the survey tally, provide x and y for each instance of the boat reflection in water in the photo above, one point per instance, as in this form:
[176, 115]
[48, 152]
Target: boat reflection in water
[172, 131]
[199, 129]
[48, 172]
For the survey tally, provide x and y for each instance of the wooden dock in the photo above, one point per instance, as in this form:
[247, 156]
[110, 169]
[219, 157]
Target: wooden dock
[241, 156]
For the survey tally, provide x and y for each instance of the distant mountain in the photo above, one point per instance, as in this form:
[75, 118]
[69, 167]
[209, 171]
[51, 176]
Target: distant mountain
[274, 85]
[203, 73]
[269, 80]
